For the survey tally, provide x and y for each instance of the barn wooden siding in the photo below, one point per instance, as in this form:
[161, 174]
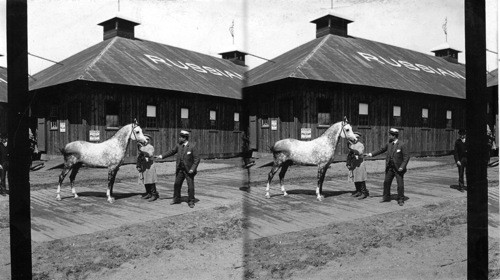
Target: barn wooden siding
[81, 105]
[294, 104]
[3, 118]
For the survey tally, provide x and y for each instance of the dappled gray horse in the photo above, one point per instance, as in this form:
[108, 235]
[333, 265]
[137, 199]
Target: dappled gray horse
[319, 151]
[109, 153]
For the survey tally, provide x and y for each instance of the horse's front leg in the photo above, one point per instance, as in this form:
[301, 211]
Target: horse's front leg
[63, 174]
[72, 176]
[270, 176]
[284, 168]
[321, 177]
[111, 180]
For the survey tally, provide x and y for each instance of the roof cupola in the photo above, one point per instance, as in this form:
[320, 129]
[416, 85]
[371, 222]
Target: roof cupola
[331, 24]
[118, 27]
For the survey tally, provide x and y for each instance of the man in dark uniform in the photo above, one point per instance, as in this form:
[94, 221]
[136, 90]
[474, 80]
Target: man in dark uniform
[460, 154]
[4, 164]
[186, 165]
[396, 159]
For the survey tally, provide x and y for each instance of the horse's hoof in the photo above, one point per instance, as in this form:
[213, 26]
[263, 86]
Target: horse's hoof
[76, 196]
[285, 194]
[58, 198]
[320, 198]
[267, 195]
[111, 200]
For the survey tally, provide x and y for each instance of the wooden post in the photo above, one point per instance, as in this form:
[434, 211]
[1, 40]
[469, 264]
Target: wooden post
[18, 174]
[477, 151]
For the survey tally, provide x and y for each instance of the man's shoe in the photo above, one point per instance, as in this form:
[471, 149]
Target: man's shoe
[191, 204]
[363, 196]
[153, 198]
[356, 194]
[385, 199]
[147, 196]
[401, 202]
[175, 202]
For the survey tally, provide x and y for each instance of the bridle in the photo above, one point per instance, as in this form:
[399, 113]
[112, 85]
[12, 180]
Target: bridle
[134, 125]
[344, 123]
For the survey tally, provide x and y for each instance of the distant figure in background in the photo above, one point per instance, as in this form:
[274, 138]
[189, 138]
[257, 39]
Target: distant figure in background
[33, 145]
[460, 154]
[357, 168]
[147, 169]
[396, 159]
[247, 152]
[4, 164]
[491, 143]
[246, 155]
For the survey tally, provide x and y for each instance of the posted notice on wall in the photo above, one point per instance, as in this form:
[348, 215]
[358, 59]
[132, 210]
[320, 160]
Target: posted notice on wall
[62, 127]
[94, 135]
[274, 124]
[305, 133]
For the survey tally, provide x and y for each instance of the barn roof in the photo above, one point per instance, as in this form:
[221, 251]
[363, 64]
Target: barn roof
[359, 61]
[147, 64]
[492, 78]
[3, 84]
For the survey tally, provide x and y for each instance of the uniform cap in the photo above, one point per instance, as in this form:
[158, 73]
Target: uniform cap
[184, 133]
[394, 131]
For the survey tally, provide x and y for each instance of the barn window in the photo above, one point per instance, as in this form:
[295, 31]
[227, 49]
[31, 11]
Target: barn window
[53, 117]
[448, 119]
[324, 115]
[151, 116]
[112, 112]
[363, 114]
[75, 113]
[184, 118]
[213, 119]
[396, 116]
[425, 117]
[236, 121]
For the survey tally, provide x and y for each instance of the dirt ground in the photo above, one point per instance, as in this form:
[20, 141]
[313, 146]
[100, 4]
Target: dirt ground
[426, 242]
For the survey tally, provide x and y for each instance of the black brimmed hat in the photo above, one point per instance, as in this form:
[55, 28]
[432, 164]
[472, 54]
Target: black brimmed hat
[461, 131]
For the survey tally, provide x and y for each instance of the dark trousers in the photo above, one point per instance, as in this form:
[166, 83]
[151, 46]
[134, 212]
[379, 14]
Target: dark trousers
[390, 173]
[180, 175]
[3, 177]
[461, 171]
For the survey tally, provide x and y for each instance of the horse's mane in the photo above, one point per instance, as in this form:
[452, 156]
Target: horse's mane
[333, 129]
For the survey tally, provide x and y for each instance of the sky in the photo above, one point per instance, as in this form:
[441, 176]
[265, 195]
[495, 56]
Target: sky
[58, 29]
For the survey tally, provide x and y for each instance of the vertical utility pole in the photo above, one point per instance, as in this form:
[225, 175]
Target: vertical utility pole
[477, 151]
[18, 175]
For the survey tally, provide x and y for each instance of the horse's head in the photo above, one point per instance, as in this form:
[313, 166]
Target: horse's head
[137, 134]
[347, 132]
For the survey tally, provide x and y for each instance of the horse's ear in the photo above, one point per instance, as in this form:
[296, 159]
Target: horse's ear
[345, 119]
[136, 122]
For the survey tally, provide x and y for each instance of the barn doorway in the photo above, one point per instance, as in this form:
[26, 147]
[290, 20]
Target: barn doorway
[288, 124]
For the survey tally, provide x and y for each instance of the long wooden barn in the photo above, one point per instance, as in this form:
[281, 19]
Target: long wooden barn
[300, 93]
[91, 94]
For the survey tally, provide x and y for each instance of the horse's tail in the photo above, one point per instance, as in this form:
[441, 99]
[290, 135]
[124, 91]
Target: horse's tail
[272, 149]
[63, 152]
[271, 163]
